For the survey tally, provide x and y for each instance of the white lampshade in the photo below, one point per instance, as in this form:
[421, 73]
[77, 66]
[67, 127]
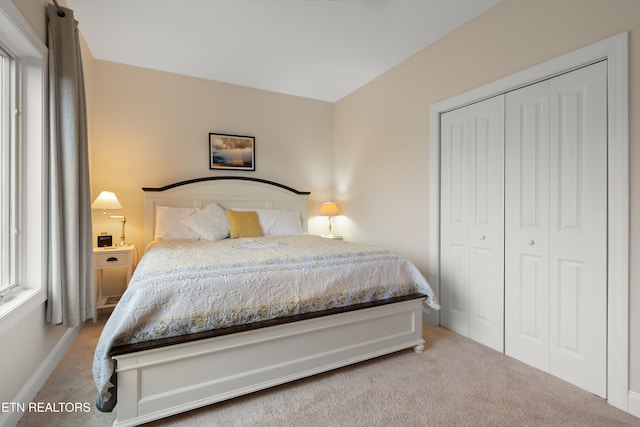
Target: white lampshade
[330, 209]
[106, 200]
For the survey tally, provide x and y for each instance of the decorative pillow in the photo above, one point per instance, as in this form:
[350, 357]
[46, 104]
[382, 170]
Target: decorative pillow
[210, 223]
[278, 222]
[170, 223]
[244, 224]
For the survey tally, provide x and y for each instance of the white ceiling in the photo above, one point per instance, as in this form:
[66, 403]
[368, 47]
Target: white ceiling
[321, 49]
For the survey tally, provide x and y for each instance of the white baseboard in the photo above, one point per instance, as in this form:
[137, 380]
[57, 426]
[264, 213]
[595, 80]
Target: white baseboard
[634, 403]
[40, 376]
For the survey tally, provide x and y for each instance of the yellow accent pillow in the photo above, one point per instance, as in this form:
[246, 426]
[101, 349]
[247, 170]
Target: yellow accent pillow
[244, 224]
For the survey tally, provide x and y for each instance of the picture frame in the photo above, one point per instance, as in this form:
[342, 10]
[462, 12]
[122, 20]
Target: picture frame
[235, 152]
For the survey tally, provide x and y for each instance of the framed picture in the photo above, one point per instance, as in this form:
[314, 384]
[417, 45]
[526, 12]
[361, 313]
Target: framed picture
[232, 152]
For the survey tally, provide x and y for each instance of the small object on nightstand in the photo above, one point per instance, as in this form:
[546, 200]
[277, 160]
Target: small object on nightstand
[110, 257]
[104, 241]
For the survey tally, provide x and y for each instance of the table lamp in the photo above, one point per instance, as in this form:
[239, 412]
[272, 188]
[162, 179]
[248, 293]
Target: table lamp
[107, 200]
[330, 209]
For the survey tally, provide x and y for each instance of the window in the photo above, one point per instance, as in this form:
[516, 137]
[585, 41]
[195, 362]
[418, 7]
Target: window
[7, 150]
[23, 166]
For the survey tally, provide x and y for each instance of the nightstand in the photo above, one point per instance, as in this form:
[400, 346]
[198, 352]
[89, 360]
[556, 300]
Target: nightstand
[112, 257]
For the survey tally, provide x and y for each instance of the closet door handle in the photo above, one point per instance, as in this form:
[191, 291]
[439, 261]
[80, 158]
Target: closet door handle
[482, 237]
[530, 243]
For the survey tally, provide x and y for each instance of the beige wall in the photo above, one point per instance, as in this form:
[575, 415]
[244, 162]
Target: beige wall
[151, 129]
[34, 12]
[381, 131]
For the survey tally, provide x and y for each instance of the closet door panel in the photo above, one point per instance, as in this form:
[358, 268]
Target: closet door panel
[527, 225]
[486, 227]
[472, 221]
[454, 220]
[578, 219]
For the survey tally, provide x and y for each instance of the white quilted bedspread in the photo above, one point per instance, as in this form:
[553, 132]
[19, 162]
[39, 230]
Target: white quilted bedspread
[184, 287]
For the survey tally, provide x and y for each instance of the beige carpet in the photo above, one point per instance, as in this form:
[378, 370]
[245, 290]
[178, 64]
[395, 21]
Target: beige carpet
[455, 382]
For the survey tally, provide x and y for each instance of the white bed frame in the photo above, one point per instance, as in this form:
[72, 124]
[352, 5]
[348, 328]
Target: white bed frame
[164, 381]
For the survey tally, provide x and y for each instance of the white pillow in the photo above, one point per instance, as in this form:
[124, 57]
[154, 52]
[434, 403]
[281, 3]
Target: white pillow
[287, 223]
[170, 223]
[278, 222]
[210, 223]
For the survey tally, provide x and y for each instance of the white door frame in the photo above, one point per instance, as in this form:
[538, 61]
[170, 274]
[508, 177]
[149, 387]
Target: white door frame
[615, 51]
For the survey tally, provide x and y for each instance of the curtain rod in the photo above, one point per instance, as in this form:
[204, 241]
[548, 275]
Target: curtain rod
[61, 13]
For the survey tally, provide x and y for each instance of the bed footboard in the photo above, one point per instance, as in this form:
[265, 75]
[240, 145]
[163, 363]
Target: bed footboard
[157, 383]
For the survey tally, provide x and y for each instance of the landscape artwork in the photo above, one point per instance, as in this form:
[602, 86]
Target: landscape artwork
[231, 152]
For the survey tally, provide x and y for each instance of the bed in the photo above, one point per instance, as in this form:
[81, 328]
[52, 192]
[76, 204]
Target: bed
[207, 318]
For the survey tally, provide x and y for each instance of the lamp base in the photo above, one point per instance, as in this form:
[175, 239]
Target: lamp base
[332, 236]
[124, 223]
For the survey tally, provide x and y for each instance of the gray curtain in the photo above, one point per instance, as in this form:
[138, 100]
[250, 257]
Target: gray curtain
[70, 257]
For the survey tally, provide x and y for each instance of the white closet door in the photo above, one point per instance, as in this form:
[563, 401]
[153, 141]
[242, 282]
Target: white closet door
[527, 225]
[578, 233]
[486, 226]
[555, 222]
[472, 269]
[454, 217]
